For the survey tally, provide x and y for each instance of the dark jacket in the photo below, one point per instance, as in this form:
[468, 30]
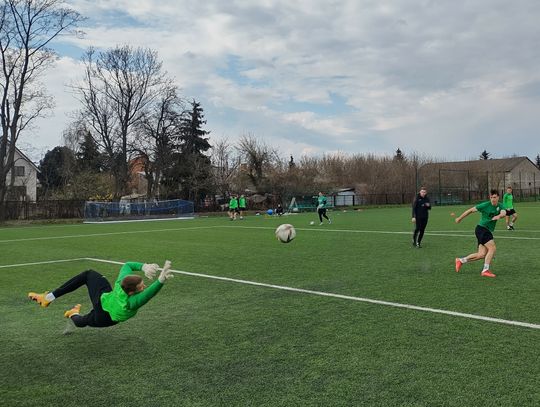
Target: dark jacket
[419, 207]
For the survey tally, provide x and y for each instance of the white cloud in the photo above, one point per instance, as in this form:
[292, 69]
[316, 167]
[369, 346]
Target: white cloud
[437, 77]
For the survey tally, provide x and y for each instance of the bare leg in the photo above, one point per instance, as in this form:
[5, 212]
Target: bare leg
[491, 249]
[480, 254]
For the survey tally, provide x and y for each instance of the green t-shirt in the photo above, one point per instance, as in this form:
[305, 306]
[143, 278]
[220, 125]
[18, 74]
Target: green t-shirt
[242, 202]
[121, 306]
[488, 211]
[508, 201]
[233, 203]
[321, 200]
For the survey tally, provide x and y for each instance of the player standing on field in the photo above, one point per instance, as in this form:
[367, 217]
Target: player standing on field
[242, 205]
[321, 208]
[491, 211]
[508, 202]
[420, 213]
[233, 207]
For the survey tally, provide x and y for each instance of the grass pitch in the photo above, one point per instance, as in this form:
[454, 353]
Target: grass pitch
[209, 342]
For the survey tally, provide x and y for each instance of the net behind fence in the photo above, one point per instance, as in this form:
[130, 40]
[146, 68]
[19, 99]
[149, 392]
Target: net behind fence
[132, 211]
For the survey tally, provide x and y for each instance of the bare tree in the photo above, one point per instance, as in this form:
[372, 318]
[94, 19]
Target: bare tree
[225, 164]
[156, 131]
[119, 84]
[259, 158]
[27, 28]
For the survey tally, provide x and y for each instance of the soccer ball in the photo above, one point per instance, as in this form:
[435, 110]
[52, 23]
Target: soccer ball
[285, 233]
[312, 222]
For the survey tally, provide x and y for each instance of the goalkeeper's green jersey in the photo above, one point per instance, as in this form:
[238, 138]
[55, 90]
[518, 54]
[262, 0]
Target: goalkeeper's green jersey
[119, 304]
[321, 200]
[508, 201]
[488, 211]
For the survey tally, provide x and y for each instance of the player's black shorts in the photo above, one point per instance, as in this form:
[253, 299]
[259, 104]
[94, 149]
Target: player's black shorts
[510, 212]
[483, 235]
[242, 208]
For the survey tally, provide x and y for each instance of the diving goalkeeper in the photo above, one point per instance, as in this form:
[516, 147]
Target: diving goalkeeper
[111, 305]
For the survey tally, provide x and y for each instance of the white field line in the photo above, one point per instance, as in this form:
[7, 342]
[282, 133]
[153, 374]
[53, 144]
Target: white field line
[105, 222]
[131, 232]
[348, 297]
[42, 262]
[314, 229]
[317, 229]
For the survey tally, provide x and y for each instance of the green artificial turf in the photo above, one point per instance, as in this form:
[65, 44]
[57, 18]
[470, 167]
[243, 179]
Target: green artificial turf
[209, 342]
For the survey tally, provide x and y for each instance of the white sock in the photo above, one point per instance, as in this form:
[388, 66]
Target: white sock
[50, 297]
[511, 223]
[463, 259]
[486, 267]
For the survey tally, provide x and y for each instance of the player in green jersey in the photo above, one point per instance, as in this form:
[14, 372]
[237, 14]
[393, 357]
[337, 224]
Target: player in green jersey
[491, 211]
[110, 305]
[508, 202]
[321, 208]
[233, 207]
[242, 205]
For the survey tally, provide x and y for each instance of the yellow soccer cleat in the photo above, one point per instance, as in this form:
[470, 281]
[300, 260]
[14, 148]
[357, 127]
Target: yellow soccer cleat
[40, 299]
[76, 310]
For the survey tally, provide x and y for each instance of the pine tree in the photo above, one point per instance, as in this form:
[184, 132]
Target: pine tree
[89, 157]
[484, 155]
[538, 161]
[399, 155]
[193, 138]
[292, 164]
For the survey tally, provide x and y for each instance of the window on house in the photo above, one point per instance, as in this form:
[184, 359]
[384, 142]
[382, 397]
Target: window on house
[19, 171]
[16, 193]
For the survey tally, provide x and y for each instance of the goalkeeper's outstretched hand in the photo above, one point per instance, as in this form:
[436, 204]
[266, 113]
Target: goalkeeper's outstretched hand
[166, 272]
[150, 270]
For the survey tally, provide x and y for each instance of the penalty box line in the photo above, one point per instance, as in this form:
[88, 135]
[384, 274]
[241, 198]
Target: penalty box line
[304, 291]
[348, 297]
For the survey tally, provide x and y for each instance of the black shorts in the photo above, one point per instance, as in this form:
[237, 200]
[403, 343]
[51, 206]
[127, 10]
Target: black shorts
[483, 235]
[510, 212]
[242, 208]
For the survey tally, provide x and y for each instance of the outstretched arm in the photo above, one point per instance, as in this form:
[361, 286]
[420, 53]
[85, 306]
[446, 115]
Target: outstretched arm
[130, 267]
[138, 300]
[466, 213]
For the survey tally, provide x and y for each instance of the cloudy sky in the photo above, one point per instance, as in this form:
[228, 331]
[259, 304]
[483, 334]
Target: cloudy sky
[446, 79]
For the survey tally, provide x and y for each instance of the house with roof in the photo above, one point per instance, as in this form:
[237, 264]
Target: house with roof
[469, 180]
[22, 178]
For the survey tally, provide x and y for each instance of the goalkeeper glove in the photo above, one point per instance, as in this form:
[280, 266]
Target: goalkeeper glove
[166, 273]
[150, 270]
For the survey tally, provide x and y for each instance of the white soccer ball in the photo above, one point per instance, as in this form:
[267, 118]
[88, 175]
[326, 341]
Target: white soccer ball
[285, 233]
[312, 222]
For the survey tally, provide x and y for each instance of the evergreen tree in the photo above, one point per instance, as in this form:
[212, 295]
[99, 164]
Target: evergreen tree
[56, 168]
[538, 161]
[193, 138]
[191, 168]
[89, 158]
[399, 155]
[484, 155]
[292, 164]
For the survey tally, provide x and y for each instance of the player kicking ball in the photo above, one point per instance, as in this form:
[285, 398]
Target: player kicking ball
[491, 211]
[111, 305]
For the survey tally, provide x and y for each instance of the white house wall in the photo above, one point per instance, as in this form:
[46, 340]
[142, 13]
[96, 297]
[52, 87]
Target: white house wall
[29, 180]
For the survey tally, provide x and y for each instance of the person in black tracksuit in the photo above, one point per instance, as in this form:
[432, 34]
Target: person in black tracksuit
[420, 213]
